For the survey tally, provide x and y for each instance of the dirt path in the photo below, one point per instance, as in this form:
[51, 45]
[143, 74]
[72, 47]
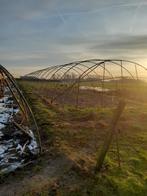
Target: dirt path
[47, 180]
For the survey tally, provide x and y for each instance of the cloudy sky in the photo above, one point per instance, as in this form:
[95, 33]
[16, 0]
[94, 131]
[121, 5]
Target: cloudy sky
[38, 33]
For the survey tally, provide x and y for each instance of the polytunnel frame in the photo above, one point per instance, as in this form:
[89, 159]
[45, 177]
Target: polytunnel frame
[121, 105]
[40, 74]
[88, 71]
[50, 72]
[24, 106]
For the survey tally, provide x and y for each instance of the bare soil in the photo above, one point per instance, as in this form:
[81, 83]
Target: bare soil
[83, 98]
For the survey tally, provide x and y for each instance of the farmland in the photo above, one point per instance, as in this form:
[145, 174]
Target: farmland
[72, 138]
[73, 98]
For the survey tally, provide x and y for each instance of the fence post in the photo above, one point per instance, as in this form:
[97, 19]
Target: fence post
[111, 131]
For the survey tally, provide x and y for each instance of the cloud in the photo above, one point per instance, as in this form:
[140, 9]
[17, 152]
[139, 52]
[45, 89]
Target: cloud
[102, 8]
[124, 44]
[35, 32]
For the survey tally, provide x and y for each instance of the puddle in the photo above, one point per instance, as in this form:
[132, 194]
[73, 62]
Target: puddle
[17, 148]
[98, 89]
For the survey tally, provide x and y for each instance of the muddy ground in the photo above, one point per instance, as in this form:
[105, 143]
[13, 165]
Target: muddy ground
[83, 98]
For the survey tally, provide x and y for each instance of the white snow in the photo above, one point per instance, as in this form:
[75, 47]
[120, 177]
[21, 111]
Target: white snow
[13, 147]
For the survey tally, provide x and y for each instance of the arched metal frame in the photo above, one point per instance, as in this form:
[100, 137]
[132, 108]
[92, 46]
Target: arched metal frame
[87, 68]
[101, 70]
[27, 114]
[41, 74]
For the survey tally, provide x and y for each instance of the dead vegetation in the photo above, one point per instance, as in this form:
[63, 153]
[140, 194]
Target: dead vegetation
[72, 138]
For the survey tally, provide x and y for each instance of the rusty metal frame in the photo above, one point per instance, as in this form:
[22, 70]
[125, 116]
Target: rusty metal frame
[21, 101]
[85, 68]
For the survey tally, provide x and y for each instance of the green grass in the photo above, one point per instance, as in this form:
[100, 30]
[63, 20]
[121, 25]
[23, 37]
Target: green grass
[74, 138]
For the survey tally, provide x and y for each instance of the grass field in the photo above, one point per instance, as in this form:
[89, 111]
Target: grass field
[72, 138]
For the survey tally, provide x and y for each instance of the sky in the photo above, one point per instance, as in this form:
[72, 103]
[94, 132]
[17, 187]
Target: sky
[35, 34]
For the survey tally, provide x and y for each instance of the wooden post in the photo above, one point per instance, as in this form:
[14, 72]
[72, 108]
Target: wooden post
[111, 131]
[117, 148]
[78, 89]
